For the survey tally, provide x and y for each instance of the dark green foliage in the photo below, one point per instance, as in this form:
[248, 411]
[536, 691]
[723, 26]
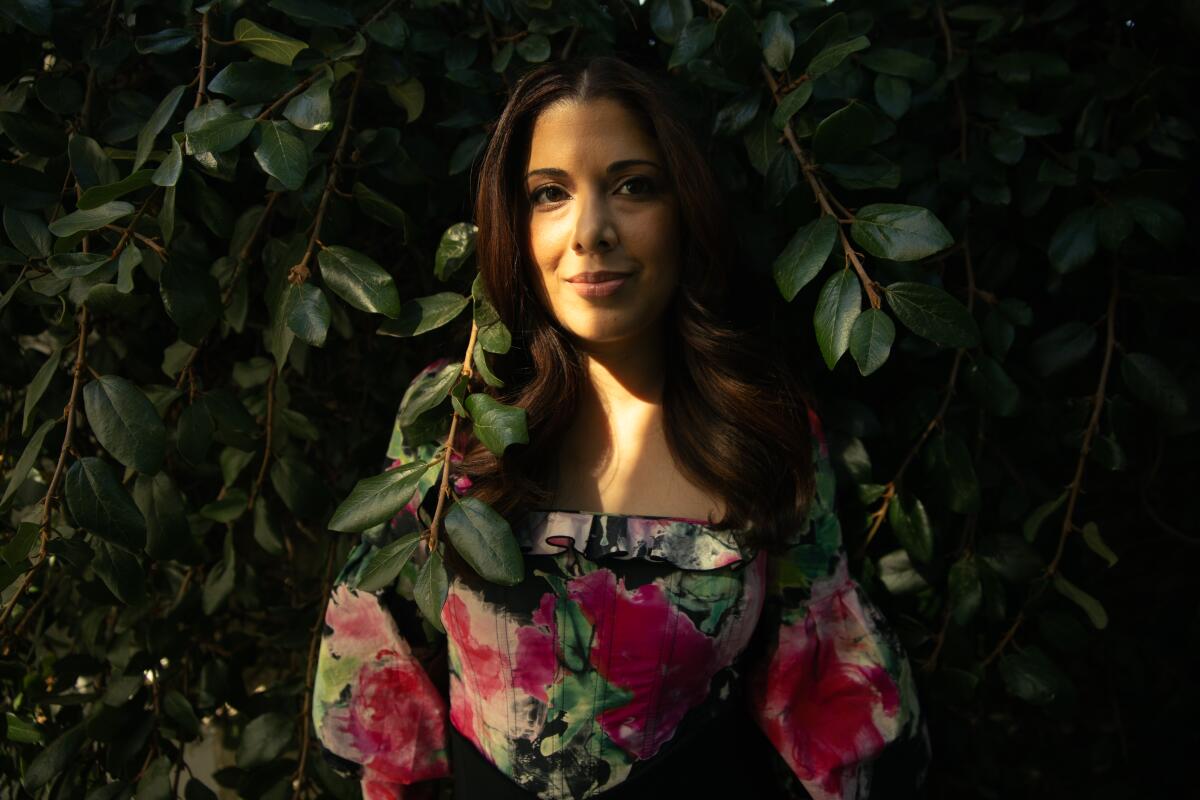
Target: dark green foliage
[216, 267]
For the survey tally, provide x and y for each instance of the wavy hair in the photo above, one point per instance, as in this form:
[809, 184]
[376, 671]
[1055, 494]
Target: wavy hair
[734, 413]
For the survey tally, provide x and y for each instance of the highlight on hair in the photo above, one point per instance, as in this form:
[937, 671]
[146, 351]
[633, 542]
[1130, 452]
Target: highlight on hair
[735, 416]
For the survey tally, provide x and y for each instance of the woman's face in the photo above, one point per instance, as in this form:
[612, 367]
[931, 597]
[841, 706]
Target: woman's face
[599, 198]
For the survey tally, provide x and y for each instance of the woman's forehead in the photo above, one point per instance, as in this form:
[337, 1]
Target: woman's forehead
[589, 131]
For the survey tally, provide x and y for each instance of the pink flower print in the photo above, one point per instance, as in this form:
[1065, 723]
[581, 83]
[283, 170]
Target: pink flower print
[392, 690]
[481, 661]
[387, 683]
[826, 702]
[645, 645]
[535, 665]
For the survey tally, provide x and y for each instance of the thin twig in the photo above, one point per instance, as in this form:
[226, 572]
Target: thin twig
[313, 649]
[1076, 487]
[262, 468]
[203, 60]
[48, 500]
[444, 487]
[300, 272]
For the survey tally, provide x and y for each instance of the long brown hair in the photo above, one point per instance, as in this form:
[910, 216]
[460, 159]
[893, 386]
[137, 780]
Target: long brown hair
[734, 414]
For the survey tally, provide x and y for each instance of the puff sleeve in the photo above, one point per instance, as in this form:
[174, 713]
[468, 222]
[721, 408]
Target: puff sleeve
[834, 691]
[374, 705]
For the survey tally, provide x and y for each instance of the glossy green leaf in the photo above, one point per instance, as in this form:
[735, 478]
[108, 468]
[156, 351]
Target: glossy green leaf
[1152, 382]
[168, 40]
[158, 120]
[379, 207]
[831, 57]
[315, 12]
[804, 256]
[120, 571]
[89, 162]
[1090, 605]
[125, 422]
[29, 454]
[219, 134]
[168, 534]
[496, 425]
[281, 155]
[385, 564]
[669, 17]
[844, 133]
[379, 498]
[838, 306]
[167, 173]
[421, 396]
[267, 44]
[910, 522]
[456, 246]
[1062, 347]
[1092, 538]
[252, 81]
[871, 338]
[696, 37]
[932, 313]
[100, 504]
[1034, 521]
[99, 196]
[899, 232]
[309, 314]
[357, 279]
[424, 314]
[778, 41]
[54, 758]
[90, 219]
[485, 541]
[28, 232]
[1074, 242]
[1031, 676]
[265, 739]
[431, 589]
[899, 63]
[312, 109]
[792, 102]
[303, 491]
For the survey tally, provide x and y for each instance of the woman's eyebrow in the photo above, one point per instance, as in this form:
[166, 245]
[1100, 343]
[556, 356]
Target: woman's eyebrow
[615, 166]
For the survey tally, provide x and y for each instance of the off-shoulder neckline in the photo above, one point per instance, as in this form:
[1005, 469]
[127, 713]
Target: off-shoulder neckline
[703, 523]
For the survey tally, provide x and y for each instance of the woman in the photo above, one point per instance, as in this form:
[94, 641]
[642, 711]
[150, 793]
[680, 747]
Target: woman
[698, 618]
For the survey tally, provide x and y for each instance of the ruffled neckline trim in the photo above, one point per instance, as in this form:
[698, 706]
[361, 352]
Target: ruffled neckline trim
[686, 543]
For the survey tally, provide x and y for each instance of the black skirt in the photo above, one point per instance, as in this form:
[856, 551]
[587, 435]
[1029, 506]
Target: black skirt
[730, 758]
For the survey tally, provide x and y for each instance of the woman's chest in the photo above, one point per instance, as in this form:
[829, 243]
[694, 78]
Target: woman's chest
[590, 666]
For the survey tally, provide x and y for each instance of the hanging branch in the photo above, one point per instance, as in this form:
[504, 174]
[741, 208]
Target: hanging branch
[48, 501]
[314, 643]
[243, 258]
[300, 272]
[824, 196]
[1068, 523]
[444, 487]
[203, 59]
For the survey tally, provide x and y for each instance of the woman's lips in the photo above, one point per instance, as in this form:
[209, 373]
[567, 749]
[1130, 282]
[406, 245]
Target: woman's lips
[600, 289]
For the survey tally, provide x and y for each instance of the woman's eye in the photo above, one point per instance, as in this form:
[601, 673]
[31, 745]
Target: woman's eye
[537, 194]
[645, 182]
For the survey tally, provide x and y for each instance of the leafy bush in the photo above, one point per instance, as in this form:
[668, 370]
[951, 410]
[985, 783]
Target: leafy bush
[222, 221]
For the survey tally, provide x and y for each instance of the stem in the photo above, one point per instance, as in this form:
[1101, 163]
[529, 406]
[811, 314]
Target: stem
[444, 488]
[300, 272]
[48, 500]
[203, 59]
[1068, 523]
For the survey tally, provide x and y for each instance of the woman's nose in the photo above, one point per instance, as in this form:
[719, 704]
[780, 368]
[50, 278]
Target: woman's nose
[594, 228]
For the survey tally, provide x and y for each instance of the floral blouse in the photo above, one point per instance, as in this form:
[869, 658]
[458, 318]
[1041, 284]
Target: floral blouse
[626, 633]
